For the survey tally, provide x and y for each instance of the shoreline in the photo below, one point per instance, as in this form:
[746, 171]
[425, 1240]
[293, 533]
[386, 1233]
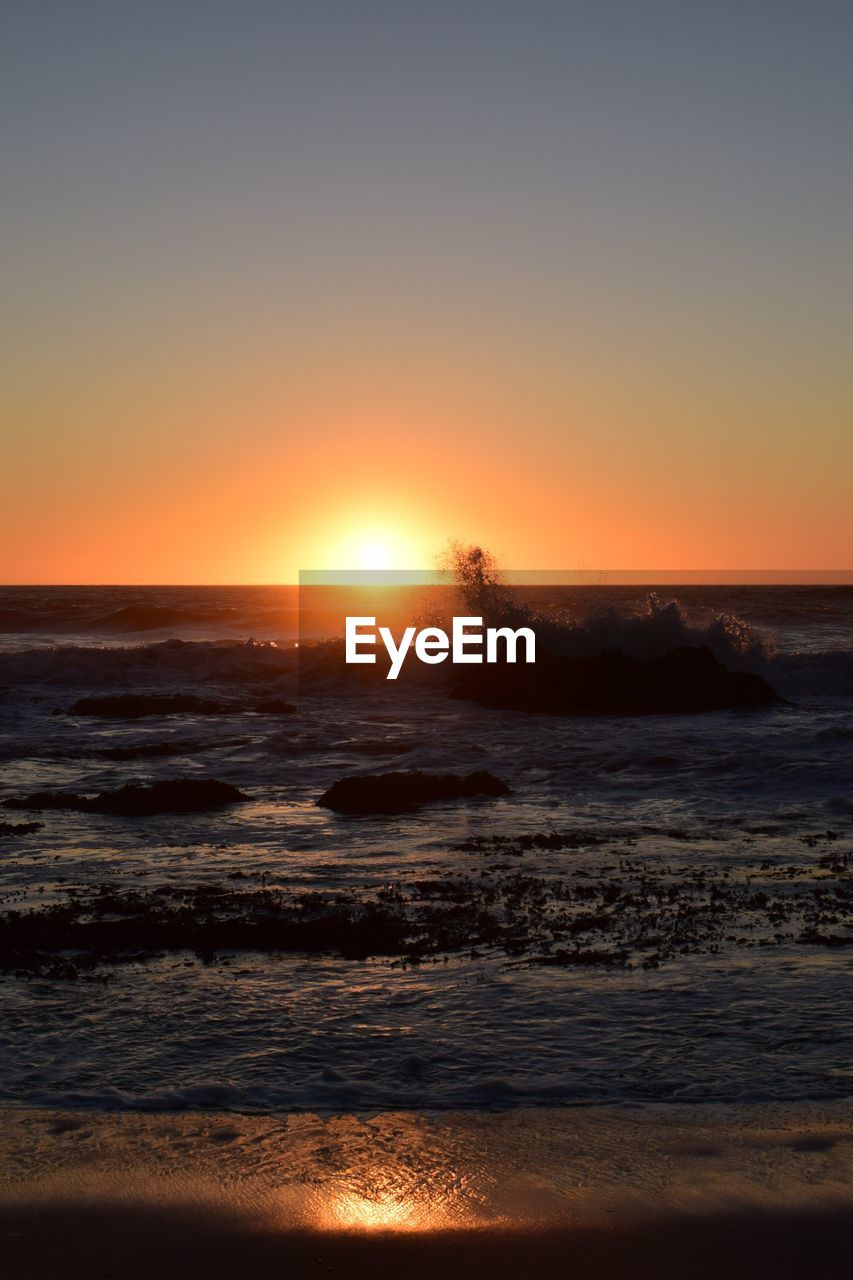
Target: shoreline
[657, 1191]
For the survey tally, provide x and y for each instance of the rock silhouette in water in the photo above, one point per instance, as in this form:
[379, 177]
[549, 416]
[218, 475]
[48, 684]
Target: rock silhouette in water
[402, 792]
[684, 681]
[139, 799]
[274, 707]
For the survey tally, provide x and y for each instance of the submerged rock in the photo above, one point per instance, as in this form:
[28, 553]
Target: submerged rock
[19, 828]
[139, 799]
[402, 792]
[684, 681]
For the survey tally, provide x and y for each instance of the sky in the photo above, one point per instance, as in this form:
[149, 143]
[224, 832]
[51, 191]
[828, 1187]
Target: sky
[292, 285]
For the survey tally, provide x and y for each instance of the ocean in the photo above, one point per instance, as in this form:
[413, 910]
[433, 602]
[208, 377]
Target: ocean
[659, 910]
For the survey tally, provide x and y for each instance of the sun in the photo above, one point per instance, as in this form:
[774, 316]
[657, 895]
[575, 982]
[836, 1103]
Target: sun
[387, 542]
[375, 555]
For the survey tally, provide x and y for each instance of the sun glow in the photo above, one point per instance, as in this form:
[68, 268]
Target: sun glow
[375, 555]
[395, 541]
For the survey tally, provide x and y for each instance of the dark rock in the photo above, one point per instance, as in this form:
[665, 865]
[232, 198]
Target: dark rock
[402, 792]
[139, 799]
[19, 828]
[687, 680]
[641, 914]
[274, 707]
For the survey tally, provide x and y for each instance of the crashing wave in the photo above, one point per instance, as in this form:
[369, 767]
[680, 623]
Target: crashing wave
[644, 634]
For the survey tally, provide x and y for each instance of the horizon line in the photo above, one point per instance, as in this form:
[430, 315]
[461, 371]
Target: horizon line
[514, 577]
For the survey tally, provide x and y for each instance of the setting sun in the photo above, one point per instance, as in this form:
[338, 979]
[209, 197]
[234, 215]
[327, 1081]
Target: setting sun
[375, 555]
[353, 540]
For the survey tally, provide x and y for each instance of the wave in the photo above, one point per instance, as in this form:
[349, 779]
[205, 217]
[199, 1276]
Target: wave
[231, 662]
[645, 632]
[158, 618]
[657, 629]
[163, 663]
[113, 637]
[190, 611]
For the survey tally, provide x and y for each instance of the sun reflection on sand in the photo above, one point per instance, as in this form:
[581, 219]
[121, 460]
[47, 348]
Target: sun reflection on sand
[403, 1172]
[352, 1211]
[386, 1199]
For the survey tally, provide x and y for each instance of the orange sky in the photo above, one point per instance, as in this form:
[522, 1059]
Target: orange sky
[274, 294]
[230, 480]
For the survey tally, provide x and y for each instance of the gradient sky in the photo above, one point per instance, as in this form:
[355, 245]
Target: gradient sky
[283, 279]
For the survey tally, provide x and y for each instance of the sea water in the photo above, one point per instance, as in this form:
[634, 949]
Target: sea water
[760, 800]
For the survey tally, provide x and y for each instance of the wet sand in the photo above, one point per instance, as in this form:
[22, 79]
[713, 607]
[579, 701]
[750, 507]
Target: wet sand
[698, 1191]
